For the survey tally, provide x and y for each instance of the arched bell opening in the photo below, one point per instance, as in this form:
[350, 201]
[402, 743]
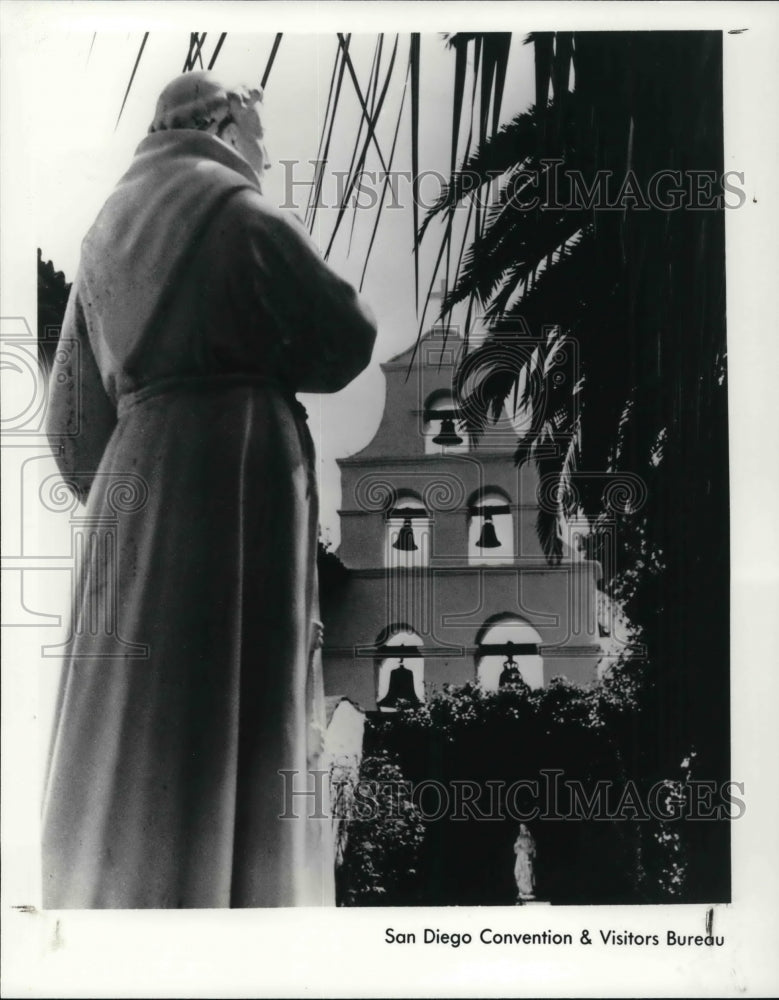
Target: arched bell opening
[408, 533]
[400, 674]
[507, 652]
[490, 528]
[443, 429]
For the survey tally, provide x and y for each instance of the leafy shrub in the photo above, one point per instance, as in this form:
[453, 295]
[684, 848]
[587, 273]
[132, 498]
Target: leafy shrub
[384, 832]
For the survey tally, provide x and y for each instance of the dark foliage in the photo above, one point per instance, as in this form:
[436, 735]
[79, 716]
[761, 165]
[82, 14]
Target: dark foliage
[333, 576]
[638, 294]
[463, 735]
[383, 839]
[53, 292]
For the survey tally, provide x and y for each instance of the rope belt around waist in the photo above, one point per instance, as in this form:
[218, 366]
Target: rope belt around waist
[185, 384]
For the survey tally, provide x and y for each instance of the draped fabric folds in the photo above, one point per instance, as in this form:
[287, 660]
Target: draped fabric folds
[191, 702]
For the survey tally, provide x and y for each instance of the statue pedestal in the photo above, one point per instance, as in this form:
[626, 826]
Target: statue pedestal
[533, 902]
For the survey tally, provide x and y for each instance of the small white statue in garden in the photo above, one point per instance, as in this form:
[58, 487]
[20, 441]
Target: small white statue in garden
[524, 873]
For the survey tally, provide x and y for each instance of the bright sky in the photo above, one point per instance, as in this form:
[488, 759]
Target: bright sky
[79, 153]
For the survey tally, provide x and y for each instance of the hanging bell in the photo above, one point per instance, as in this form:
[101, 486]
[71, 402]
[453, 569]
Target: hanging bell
[400, 688]
[405, 540]
[510, 673]
[447, 435]
[488, 539]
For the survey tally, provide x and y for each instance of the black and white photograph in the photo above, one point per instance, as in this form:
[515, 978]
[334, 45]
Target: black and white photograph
[389, 549]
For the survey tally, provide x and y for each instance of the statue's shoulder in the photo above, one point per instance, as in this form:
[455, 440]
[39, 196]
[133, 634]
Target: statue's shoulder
[251, 206]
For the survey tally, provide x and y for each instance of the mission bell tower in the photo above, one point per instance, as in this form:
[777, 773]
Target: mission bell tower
[446, 581]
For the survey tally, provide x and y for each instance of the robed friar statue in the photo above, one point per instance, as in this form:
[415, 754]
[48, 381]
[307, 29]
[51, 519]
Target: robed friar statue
[198, 311]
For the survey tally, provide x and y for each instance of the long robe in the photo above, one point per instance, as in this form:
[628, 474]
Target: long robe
[524, 870]
[191, 680]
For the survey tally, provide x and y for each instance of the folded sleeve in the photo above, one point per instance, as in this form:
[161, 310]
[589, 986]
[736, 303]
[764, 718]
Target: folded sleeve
[80, 416]
[317, 332]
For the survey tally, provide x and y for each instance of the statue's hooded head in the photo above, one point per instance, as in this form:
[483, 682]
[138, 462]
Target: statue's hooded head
[232, 113]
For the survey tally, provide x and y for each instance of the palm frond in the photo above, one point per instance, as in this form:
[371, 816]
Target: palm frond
[271, 59]
[385, 185]
[414, 59]
[370, 97]
[355, 170]
[559, 294]
[512, 244]
[132, 77]
[333, 96]
[361, 99]
[511, 147]
[217, 50]
[195, 51]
